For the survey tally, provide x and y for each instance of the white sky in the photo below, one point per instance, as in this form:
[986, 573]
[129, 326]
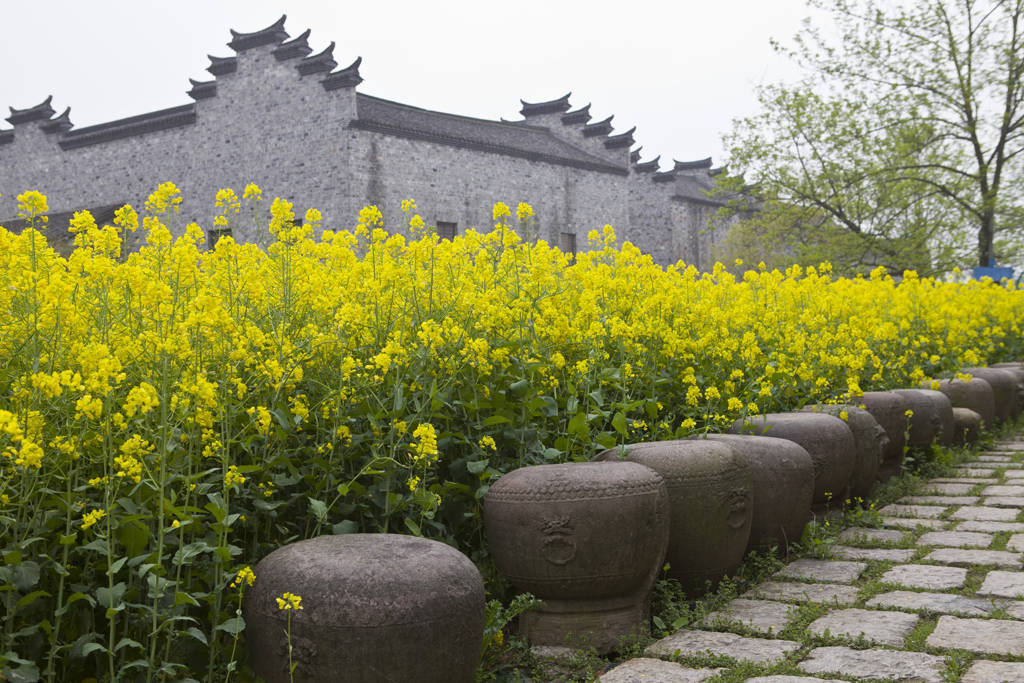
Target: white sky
[680, 71]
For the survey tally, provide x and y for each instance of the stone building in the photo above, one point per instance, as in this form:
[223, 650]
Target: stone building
[296, 125]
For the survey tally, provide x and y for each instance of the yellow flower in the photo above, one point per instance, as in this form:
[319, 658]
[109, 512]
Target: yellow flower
[487, 442]
[92, 517]
[233, 477]
[425, 445]
[245, 576]
[289, 601]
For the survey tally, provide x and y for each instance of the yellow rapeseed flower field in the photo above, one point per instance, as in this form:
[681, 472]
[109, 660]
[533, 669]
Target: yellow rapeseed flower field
[170, 415]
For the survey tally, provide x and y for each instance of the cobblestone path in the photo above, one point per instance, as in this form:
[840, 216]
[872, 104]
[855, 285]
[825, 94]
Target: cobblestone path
[936, 595]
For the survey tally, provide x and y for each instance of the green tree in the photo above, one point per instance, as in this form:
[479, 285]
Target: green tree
[906, 131]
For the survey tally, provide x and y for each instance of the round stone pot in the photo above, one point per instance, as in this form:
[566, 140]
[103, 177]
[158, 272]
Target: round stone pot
[588, 539]
[710, 502]
[944, 409]
[782, 474]
[1018, 374]
[926, 423]
[966, 426]
[827, 439]
[1004, 388]
[976, 395]
[889, 410]
[375, 607]
[870, 440]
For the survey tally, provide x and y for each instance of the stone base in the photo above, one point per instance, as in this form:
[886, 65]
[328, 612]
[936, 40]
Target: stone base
[604, 624]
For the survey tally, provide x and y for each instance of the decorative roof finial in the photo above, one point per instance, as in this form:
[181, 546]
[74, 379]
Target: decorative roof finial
[634, 156]
[40, 112]
[346, 78]
[59, 124]
[322, 61]
[271, 35]
[222, 65]
[296, 47]
[576, 117]
[600, 128]
[621, 140]
[648, 166]
[550, 107]
[692, 165]
[202, 89]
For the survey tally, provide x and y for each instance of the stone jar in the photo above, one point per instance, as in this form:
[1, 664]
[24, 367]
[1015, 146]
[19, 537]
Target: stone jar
[944, 409]
[375, 607]
[827, 439]
[1018, 373]
[889, 410]
[588, 539]
[782, 474]
[870, 439]
[966, 426]
[1004, 388]
[926, 423]
[710, 502]
[976, 394]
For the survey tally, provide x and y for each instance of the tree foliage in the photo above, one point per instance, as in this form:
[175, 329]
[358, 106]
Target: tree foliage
[905, 134]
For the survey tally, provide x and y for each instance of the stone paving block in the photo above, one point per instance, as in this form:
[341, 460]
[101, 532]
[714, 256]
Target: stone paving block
[875, 663]
[967, 480]
[863, 535]
[792, 679]
[829, 571]
[912, 523]
[918, 511]
[763, 616]
[835, 594]
[985, 671]
[1011, 445]
[876, 626]
[989, 527]
[942, 489]
[957, 556]
[986, 513]
[980, 472]
[650, 670]
[942, 603]
[999, 490]
[1014, 608]
[689, 642]
[926, 576]
[1014, 474]
[1016, 543]
[1003, 584]
[994, 457]
[956, 539]
[1004, 501]
[938, 500]
[877, 554]
[990, 636]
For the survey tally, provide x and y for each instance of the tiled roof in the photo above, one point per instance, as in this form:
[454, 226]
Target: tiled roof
[58, 234]
[512, 139]
[133, 125]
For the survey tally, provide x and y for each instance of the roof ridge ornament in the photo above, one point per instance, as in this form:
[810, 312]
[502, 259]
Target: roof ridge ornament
[202, 89]
[222, 65]
[559, 105]
[59, 124]
[346, 78]
[692, 165]
[322, 61]
[600, 128]
[649, 166]
[39, 112]
[296, 47]
[634, 156]
[621, 140]
[271, 35]
[576, 117]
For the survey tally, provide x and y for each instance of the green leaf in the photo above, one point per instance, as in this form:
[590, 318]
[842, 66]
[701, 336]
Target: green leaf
[116, 567]
[26, 575]
[108, 597]
[69, 539]
[619, 423]
[519, 389]
[30, 598]
[318, 508]
[578, 425]
[184, 599]
[495, 420]
[197, 634]
[413, 527]
[233, 626]
[477, 466]
[127, 642]
[345, 527]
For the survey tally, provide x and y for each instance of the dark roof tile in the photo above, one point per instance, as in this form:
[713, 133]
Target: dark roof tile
[271, 35]
[40, 112]
[202, 89]
[58, 233]
[222, 65]
[692, 165]
[59, 124]
[648, 166]
[621, 140]
[131, 126]
[550, 107]
[600, 128]
[346, 78]
[322, 61]
[512, 139]
[572, 118]
[296, 47]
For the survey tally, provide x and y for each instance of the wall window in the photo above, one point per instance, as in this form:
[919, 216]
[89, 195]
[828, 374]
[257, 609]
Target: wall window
[214, 234]
[447, 230]
[567, 242]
